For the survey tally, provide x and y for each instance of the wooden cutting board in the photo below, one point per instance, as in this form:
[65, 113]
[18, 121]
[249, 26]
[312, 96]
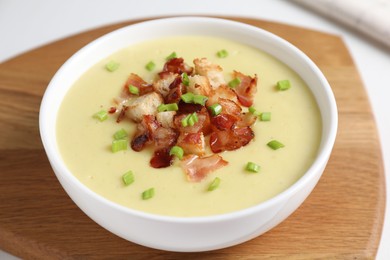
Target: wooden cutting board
[342, 218]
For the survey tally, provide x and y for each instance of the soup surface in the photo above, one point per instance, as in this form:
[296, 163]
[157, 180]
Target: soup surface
[85, 143]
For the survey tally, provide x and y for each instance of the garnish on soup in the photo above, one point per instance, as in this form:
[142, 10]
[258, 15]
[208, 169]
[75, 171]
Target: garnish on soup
[186, 113]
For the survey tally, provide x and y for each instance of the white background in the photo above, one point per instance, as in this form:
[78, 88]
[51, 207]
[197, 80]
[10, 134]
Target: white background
[28, 24]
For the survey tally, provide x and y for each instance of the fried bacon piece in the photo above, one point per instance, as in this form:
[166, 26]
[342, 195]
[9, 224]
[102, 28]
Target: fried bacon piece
[231, 139]
[164, 139]
[247, 88]
[176, 65]
[176, 89]
[161, 85]
[136, 81]
[197, 168]
[145, 132]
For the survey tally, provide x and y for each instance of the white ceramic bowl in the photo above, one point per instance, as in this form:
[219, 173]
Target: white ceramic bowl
[194, 233]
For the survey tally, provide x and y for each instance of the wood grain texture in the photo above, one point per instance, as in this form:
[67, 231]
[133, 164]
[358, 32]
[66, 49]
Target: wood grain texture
[341, 219]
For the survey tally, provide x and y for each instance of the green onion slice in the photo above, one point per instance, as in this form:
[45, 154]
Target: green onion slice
[133, 90]
[128, 178]
[190, 120]
[253, 111]
[234, 82]
[167, 107]
[265, 116]
[252, 167]
[148, 194]
[101, 115]
[275, 144]
[185, 79]
[119, 145]
[215, 109]
[171, 56]
[222, 53]
[283, 84]
[120, 134]
[177, 151]
[188, 97]
[150, 66]
[199, 99]
[112, 66]
[214, 184]
[184, 121]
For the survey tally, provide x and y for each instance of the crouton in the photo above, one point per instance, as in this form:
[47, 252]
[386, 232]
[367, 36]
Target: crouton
[143, 105]
[212, 71]
[161, 85]
[199, 85]
[166, 118]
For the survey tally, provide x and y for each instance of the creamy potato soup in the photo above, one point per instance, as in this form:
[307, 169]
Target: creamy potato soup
[85, 142]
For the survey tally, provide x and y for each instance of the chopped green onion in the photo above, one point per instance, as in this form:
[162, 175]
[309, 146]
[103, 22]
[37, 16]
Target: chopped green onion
[171, 56]
[120, 134]
[190, 120]
[148, 194]
[253, 111]
[214, 184]
[199, 99]
[252, 167]
[133, 90]
[265, 116]
[188, 97]
[274, 144]
[283, 84]
[118, 145]
[234, 82]
[222, 54]
[185, 79]
[192, 98]
[184, 121]
[177, 151]
[128, 178]
[193, 119]
[167, 107]
[101, 115]
[215, 109]
[150, 66]
[112, 66]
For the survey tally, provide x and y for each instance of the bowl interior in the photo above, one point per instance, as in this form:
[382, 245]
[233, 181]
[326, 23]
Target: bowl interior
[114, 41]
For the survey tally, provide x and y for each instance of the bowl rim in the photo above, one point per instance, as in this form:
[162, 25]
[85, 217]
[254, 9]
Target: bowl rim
[319, 162]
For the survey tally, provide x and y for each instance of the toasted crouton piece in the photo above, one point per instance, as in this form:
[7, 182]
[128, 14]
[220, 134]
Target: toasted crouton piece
[166, 118]
[199, 85]
[212, 71]
[161, 85]
[192, 143]
[143, 105]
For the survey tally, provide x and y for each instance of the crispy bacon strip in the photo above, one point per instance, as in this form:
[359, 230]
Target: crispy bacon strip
[176, 89]
[231, 139]
[176, 65]
[164, 139]
[144, 134]
[161, 158]
[137, 82]
[197, 168]
[247, 89]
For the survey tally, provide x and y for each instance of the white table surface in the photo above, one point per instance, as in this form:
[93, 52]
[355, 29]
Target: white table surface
[28, 24]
